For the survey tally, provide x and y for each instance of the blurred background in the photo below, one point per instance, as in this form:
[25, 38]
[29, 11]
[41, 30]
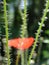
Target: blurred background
[35, 9]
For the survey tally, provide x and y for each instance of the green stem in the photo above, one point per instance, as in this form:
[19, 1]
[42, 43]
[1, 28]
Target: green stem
[26, 57]
[22, 57]
[17, 57]
[24, 26]
[6, 30]
[38, 31]
[23, 29]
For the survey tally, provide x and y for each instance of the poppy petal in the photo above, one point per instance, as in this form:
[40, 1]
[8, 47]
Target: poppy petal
[20, 43]
[27, 42]
[14, 42]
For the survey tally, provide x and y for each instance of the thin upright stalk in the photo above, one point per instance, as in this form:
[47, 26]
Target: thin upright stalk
[6, 30]
[23, 30]
[38, 31]
[26, 57]
[17, 57]
[22, 57]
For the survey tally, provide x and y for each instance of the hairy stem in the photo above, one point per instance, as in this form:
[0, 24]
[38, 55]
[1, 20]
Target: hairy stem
[38, 31]
[23, 29]
[6, 30]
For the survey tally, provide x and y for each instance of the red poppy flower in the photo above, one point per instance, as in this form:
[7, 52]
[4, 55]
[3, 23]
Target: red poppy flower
[21, 43]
